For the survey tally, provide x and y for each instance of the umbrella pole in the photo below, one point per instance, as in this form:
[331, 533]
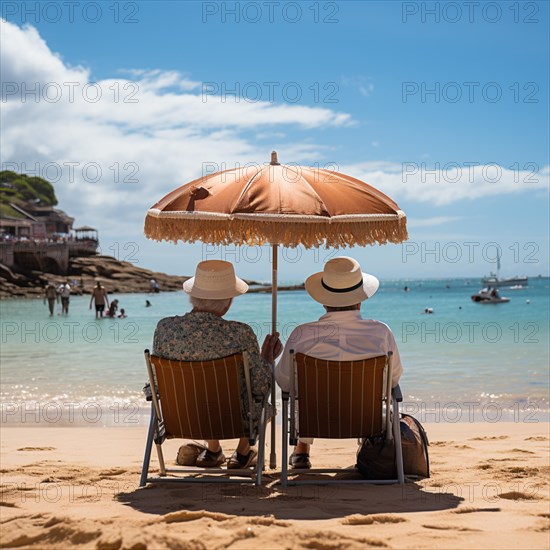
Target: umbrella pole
[274, 266]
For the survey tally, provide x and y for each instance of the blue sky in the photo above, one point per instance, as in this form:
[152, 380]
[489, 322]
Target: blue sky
[362, 61]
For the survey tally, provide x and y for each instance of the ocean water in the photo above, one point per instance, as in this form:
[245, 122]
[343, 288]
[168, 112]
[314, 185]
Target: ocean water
[465, 361]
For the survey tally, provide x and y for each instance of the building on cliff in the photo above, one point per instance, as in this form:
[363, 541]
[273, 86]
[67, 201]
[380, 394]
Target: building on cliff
[42, 238]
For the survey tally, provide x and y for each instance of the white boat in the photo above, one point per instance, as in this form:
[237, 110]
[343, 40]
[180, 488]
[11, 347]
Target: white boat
[494, 280]
[489, 296]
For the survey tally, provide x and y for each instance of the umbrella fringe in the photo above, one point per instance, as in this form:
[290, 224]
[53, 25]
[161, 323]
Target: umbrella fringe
[290, 234]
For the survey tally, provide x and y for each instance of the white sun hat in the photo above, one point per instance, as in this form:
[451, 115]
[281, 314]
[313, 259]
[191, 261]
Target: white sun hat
[341, 283]
[215, 280]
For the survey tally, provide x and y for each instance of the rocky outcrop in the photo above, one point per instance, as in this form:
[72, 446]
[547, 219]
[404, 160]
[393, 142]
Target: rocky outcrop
[116, 276]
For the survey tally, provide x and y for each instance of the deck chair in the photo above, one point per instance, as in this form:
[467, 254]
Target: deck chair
[340, 400]
[201, 400]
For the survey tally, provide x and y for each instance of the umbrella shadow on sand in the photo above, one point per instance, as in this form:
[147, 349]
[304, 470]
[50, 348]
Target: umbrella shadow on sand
[305, 502]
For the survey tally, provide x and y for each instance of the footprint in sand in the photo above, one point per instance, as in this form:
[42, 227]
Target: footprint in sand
[517, 495]
[489, 438]
[473, 509]
[186, 515]
[449, 528]
[440, 443]
[522, 471]
[542, 525]
[536, 438]
[485, 467]
[268, 521]
[524, 451]
[37, 449]
[112, 472]
[360, 519]
[328, 540]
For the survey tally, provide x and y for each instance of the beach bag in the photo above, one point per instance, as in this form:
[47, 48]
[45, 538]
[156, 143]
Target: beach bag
[414, 442]
[376, 457]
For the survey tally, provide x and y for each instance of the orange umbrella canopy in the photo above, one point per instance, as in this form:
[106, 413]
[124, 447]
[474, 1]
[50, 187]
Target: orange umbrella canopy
[277, 203]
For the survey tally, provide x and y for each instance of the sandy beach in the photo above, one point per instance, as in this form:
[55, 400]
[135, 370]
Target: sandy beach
[78, 487]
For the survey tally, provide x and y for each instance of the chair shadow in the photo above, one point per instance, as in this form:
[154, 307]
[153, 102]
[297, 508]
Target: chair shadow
[314, 501]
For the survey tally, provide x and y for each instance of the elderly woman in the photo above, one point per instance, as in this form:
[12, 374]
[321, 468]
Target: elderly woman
[203, 334]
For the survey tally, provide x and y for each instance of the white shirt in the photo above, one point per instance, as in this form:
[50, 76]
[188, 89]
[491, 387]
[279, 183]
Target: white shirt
[340, 336]
[64, 290]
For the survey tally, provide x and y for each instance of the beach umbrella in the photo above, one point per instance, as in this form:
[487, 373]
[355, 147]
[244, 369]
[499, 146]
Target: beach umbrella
[280, 205]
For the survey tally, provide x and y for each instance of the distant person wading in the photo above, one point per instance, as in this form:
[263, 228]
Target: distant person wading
[99, 296]
[51, 295]
[64, 291]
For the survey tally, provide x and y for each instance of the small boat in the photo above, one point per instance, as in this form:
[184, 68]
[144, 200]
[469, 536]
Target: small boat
[516, 287]
[494, 279]
[489, 296]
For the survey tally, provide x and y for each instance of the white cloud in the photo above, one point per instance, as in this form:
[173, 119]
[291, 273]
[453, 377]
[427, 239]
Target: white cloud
[366, 90]
[442, 185]
[363, 84]
[430, 222]
[148, 131]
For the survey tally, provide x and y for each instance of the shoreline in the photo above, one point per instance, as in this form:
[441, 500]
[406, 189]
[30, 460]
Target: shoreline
[257, 289]
[48, 414]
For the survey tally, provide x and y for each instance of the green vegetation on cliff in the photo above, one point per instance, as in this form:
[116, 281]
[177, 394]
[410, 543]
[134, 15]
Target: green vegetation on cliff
[20, 188]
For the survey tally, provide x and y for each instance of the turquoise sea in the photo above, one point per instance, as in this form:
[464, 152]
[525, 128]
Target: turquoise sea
[465, 361]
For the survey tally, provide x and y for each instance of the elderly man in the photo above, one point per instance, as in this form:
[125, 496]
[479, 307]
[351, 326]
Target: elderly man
[341, 334]
[203, 334]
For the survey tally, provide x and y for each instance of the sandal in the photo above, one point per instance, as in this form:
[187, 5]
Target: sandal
[209, 459]
[239, 461]
[300, 461]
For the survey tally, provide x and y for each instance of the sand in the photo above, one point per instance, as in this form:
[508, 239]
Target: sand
[78, 488]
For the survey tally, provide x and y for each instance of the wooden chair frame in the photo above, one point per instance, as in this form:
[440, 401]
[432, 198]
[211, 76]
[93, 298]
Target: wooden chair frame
[157, 432]
[388, 424]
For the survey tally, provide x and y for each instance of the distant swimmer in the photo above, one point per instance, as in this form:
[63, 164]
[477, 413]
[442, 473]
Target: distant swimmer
[113, 309]
[428, 310]
[122, 314]
[406, 289]
[148, 303]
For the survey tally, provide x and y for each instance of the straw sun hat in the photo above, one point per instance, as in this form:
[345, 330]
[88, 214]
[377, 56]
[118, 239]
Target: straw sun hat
[215, 280]
[341, 283]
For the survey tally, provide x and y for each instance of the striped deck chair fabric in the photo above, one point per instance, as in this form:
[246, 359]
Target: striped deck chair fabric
[201, 399]
[340, 399]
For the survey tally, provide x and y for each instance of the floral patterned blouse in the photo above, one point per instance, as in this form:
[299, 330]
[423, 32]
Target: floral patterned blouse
[200, 336]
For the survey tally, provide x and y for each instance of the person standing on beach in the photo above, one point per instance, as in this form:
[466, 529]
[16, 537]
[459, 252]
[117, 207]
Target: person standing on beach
[51, 295]
[341, 334]
[64, 291]
[99, 296]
